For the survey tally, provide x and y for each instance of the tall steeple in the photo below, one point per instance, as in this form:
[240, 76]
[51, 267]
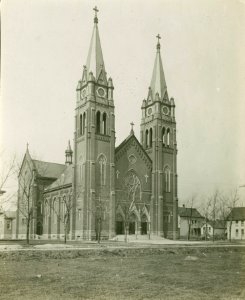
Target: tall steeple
[158, 83]
[95, 61]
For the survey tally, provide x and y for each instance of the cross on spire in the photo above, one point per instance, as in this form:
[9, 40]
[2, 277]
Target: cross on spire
[158, 41]
[95, 16]
[132, 128]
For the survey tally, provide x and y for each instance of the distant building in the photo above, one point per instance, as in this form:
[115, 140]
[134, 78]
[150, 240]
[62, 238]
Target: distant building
[189, 220]
[217, 227]
[7, 224]
[235, 224]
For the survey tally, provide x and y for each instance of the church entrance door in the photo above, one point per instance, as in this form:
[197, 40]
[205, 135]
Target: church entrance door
[119, 227]
[131, 229]
[143, 227]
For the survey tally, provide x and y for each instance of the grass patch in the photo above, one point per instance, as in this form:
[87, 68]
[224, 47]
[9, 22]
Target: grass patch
[150, 273]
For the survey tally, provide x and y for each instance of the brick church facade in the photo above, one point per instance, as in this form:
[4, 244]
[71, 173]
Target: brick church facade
[103, 189]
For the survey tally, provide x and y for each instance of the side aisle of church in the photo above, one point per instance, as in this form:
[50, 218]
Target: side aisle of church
[102, 189]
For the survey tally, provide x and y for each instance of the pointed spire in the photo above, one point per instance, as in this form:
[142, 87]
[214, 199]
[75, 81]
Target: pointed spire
[68, 154]
[158, 83]
[95, 62]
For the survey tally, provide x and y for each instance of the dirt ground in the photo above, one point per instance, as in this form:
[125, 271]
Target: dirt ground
[151, 273]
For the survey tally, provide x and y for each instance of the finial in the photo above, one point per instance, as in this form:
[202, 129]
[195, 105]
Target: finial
[158, 41]
[95, 16]
[27, 146]
[132, 128]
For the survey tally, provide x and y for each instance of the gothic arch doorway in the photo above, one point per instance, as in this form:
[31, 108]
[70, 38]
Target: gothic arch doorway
[144, 224]
[119, 224]
[132, 224]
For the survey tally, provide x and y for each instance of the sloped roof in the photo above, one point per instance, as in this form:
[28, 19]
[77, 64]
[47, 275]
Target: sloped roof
[64, 179]
[48, 169]
[124, 143]
[189, 212]
[237, 213]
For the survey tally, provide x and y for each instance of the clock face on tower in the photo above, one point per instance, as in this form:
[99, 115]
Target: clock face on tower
[101, 92]
[149, 111]
[165, 110]
[83, 93]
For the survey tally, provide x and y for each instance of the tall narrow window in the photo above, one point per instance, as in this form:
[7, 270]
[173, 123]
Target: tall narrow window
[146, 138]
[150, 138]
[102, 163]
[98, 122]
[167, 180]
[163, 136]
[81, 125]
[104, 123]
[84, 122]
[168, 137]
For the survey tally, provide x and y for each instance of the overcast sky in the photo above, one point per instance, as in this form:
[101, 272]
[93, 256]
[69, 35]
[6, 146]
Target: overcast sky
[45, 45]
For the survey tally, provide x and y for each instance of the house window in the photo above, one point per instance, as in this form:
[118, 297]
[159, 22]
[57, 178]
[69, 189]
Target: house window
[236, 232]
[242, 231]
[242, 223]
[209, 229]
[236, 223]
[98, 122]
[23, 221]
[79, 214]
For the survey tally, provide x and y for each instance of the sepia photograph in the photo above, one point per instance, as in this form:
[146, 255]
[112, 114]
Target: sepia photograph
[122, 149]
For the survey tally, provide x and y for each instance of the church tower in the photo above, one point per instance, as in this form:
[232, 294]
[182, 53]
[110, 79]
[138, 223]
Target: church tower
[158, 138]
[94, 148]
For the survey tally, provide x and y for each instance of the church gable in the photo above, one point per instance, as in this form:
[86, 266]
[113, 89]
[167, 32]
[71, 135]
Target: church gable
[131, 144]
[130, 157]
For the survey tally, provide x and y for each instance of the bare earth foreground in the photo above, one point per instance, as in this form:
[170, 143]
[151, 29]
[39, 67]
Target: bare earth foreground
[113, 273]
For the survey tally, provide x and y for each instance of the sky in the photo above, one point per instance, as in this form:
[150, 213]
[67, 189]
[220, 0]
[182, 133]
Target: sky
[45, 45]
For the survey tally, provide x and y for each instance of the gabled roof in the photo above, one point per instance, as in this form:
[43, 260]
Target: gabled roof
[189, 212]
[217, 224]
[127, 141]
[64, 179]
[237, 214]
[48, 169]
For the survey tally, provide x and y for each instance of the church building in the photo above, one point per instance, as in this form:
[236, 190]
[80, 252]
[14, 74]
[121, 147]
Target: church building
[104, 190]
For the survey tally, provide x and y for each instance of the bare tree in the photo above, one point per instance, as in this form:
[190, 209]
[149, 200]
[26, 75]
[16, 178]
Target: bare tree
[227, 203]
[213, 199]
[206, 213]
[190, 204]
[25, 201]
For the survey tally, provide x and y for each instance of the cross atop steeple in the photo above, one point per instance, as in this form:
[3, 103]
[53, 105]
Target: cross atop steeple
[132, 128]
[95, 16]
[158, 41]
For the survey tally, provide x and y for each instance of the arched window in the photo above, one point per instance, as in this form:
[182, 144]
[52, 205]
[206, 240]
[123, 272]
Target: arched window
[81, 125]
[168, 137]
[146, 138]
[52, 210]
[102, 165]
[104, 123]
[163, 136]
[150, 138]
[84, 122]
[98, 122]
[167, 180]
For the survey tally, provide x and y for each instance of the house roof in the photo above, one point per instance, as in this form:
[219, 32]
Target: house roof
[237, 213]
[48, 169]
[189, 212]
[217, 224]
[64, 179]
